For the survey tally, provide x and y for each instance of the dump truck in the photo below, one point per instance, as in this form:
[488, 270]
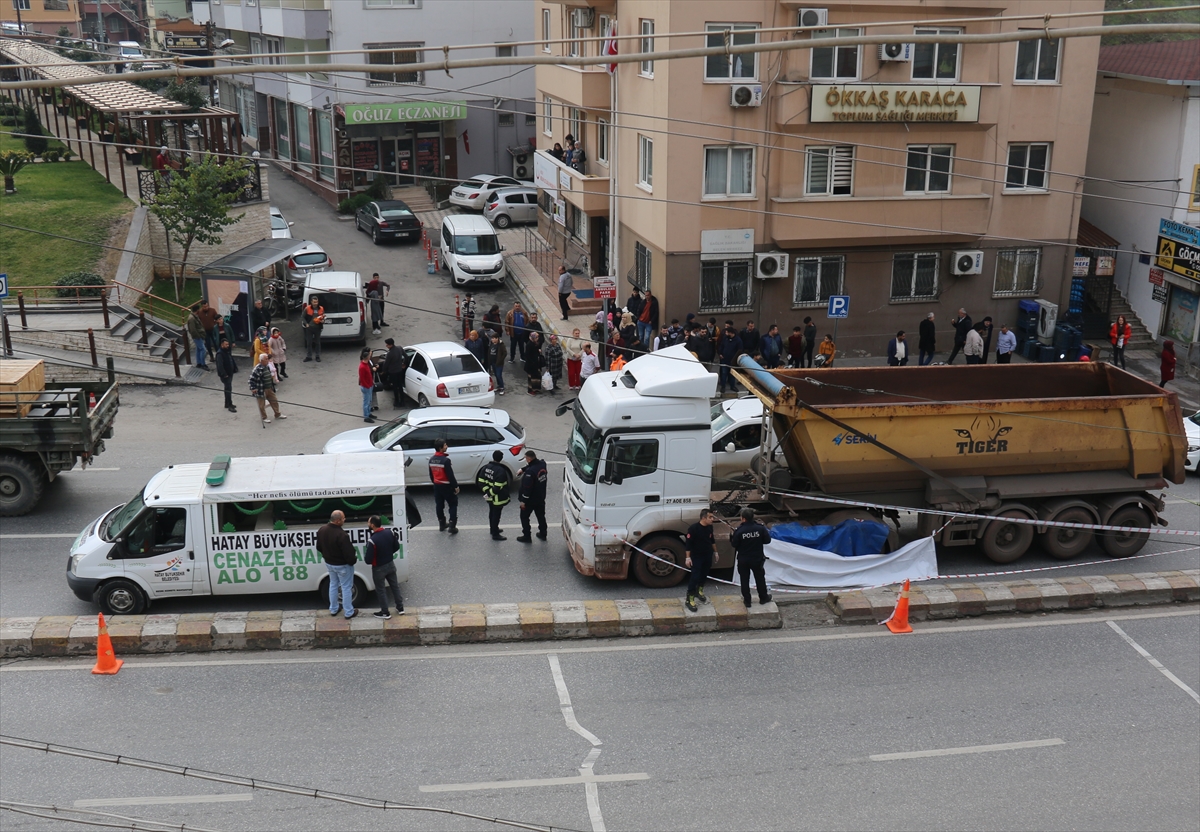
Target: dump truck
[1070, 443]
[48, 428]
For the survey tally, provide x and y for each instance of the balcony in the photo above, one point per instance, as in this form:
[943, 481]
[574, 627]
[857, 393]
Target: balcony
[587, 193]
[801, 222]
[301, 19]
[586, 88]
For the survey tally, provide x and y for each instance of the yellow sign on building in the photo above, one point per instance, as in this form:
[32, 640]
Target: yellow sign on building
[894, 103]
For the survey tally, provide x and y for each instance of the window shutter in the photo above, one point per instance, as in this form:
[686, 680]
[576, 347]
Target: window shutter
[843, 169]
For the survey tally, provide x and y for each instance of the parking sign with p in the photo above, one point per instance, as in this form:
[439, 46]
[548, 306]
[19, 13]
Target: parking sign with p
[839, 306]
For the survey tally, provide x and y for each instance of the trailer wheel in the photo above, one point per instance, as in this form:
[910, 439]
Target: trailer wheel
[1066, 544]
[120, 597]
[654, 573]
[893, 538]
[1124, 544]
[21, 485]
[1004, 542]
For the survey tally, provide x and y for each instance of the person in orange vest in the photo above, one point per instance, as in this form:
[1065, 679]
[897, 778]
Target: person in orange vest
[617, 363]
[313, 321]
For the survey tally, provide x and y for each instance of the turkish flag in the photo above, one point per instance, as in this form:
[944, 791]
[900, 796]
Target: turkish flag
[466, 143]
[610, 48]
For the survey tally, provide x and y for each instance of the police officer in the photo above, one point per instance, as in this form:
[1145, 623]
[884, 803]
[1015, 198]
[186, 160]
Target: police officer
[496, 481]
[700, 547]
[445, 487]
[748, 540]
[533, 496]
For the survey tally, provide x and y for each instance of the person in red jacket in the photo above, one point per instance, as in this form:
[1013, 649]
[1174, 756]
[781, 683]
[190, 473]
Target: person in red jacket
[1167, 367]
[366, 383]
[445, 487]
[1119, 334]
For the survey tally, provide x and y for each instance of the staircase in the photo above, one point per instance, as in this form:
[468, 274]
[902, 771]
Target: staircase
[415, 196]
[1141, 339]
[126, 326]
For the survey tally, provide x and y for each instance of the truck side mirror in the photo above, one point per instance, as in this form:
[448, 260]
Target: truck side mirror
[729, 448]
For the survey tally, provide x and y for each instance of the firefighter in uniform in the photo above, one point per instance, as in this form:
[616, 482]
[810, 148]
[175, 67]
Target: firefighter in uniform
[496, 482]
[748, 540]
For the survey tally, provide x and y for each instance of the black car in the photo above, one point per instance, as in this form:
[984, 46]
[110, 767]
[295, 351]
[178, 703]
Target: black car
[388, 220]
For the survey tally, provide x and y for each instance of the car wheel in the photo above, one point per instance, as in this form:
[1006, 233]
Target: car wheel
[422, 401]
[120, 597]
[375, 236]
[502, 221]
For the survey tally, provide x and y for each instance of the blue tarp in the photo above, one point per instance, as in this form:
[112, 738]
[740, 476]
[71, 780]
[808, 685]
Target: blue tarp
[850, 538]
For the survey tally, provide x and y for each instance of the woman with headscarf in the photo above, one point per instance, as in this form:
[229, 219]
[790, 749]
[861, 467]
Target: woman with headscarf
[535, 363]
[278, 351]
[554, 359]
[259, 348]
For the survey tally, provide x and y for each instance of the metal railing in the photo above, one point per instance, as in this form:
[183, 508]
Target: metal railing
[248, 190]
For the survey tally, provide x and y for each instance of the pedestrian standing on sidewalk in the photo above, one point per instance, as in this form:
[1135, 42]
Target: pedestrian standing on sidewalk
[394, 365]
[962, 325]
[554, 360]
[574, 351]
[380, 552]
[259, 347]
[973, 348]
[699, 549]
[647, 320]
[771, 347]
[477, 347]
[380, 288]
[445, 487]
[259, 317]
[566, 285]
[985, 332]
[208, 317]
[795, 348]
[278, 351]
[589, 363]
[1119, 335]
[897, 350]
[926, 341]
[493, 320]
[496, 481]
[195, 329]
[313, 321]
[534, 326]
[262, 386]
[338, 553]
[366, 383]
[535, 363]
[226, 367]
[1006, 345]
[1167, 363]
[532, 496]
[468, 314]
[729, 348]
[748, 540]
[514, 328]
[495, 359]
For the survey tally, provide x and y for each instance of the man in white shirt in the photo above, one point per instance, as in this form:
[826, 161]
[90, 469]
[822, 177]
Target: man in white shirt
[898, 350]
[1006, 345]
[589, 362]
[973, 349]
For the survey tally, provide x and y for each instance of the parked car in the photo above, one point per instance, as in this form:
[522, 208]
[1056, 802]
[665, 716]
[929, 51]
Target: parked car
[737, 438]
[311, 258]
[473, 433]
[509, 206]
[388, 220]
[445, 373]
[1191, 426]
[281, 229]
[469, 249]
[472, 193]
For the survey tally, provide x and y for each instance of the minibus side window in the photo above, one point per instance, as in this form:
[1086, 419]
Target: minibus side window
[157, 532]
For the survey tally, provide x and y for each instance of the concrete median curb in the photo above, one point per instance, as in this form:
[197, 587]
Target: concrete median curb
[308, 629]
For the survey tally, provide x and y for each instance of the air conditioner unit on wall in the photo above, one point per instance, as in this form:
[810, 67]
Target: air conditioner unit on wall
[770, 265]
[895, 51]
[745, 95]
[967, 262]
[813, 17]
[1047, 320]
[522, 164]
[583, 18]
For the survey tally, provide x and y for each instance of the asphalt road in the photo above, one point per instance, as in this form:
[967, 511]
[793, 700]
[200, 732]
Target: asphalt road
[1049, 723]
[159, 426]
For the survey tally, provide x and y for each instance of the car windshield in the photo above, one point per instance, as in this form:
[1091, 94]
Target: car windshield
[720, 419]
[278, 222]
[122, 517]
[456, 365]
[395, 213]
[385, 436]
[312, 258]
[336, 303]
[487, 244]
[583, 448]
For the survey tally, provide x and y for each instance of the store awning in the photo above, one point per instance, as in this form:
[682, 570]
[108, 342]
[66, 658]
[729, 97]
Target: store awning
[252, 259]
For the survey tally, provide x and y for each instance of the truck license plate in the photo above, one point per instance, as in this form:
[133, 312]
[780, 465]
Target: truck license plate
[474, 388]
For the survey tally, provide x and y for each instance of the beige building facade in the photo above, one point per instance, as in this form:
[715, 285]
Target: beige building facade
[914, 178]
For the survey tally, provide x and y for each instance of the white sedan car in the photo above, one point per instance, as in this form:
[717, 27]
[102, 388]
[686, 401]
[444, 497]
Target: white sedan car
[1191, 426]
[473, 433]
[474, 192]
[281, 229]
[445, 373]
[737, 437]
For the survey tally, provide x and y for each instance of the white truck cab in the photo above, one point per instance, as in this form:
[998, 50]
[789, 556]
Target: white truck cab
[236, 527]
[639, 465]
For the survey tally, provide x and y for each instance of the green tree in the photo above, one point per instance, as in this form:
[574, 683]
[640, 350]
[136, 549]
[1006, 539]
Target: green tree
[11, 161]
[193, 206]
[1192, 16]
[187, 92]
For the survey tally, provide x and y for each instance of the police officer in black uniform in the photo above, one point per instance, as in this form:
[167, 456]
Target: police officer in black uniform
[700, 547]
[748, 540]
[532, 496]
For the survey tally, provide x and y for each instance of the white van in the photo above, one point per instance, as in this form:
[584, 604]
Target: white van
[345, 300]
[236, 527]
[470, 250]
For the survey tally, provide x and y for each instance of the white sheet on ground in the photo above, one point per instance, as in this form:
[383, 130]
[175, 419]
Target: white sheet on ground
[792, 565]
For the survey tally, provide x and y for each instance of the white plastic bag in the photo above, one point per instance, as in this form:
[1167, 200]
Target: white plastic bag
[547, 381]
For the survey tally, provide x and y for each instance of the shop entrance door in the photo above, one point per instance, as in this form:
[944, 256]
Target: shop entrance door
[398, 160]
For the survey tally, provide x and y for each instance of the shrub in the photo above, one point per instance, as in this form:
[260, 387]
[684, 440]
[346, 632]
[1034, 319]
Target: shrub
[79, 279]
[35, 140]
[8, 121]
[51, 156]
[350, 205]
[378, 189]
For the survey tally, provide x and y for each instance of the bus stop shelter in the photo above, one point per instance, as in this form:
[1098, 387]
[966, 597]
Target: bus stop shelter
[234, 282]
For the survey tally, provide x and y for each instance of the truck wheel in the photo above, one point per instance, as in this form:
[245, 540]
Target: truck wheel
[893, 538]
[1066, 544]
[1004, 542]
[1124, 544]
[21, 485]
[654, 573]
[120, 597]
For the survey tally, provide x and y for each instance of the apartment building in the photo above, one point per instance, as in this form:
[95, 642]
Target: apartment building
[44, 17]
[336, 133]
[911, 178]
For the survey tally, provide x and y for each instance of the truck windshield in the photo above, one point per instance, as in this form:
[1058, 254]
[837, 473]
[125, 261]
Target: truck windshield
[584, 447]
[122, 517]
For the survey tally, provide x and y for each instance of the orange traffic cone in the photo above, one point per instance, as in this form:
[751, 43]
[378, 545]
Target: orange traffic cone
[107, 664]
[897, 622]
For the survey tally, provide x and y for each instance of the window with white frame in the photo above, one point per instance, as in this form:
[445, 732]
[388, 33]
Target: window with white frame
[728, 171]
[914, 276]
[725, 67]
[834, 63]
[390, 4]
[256, 48]
[394, 54]
[1027, 166]
[545, 30]
[20, 5]
[577, 45]
[547, 116]
[641, 266]
[576, 122]
[577, 223]
[928, 169]
[829, 171]
[602, 141]
[725, 284]
[935, 61]
[816, 279]
[604, 29]
[1017, 271]
[1037, 61]
[274, 47]
[645, 161]
[646, 44]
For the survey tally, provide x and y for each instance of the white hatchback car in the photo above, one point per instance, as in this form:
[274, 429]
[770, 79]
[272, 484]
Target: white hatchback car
[1191, 426]
[474, 192]
[281, 229]
[473, 433]
[445, 373]
[737, 437]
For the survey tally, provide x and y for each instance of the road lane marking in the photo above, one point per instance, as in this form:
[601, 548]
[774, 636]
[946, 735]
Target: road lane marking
[163, 801]
[85, 470]
[564, 702]
[21, 665]
[967, 749]
[1155, 662]
[545, 781]
[590, 790]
